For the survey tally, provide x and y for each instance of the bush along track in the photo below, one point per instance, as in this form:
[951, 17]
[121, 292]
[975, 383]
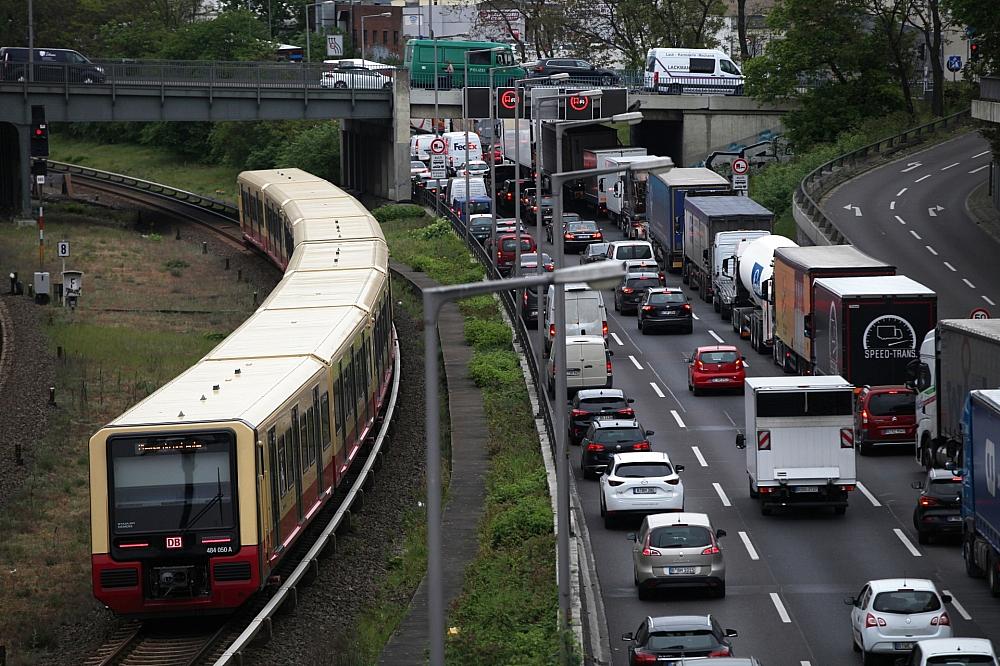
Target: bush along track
[507, 612]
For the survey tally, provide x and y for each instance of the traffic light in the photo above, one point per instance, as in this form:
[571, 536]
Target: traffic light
[973, 51]
[39, 132]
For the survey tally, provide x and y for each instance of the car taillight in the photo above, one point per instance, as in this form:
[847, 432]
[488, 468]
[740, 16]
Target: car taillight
[539, 68]
[649, 552]
[641, 658]
[847, 438]
[568, 236]
[647, 308]
[627, 290]
[525, 295]
[552, 330]
[577, 413]
[641, 446]
[656, 78]
[941, 621]
[721, 651]
[699, 365]
[604, 328]
[549, 268]
[763, 440]
[872, 621]
[673, 482]
[627, 412]
[598, 235]
[662, 276]
[594, 448]
[499, 253]
[607, 366]
[926, 501]
[615, 483]
[864, 417]
[686, 307]
[534, 208]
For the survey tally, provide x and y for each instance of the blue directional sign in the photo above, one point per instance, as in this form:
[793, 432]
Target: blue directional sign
[954, 63]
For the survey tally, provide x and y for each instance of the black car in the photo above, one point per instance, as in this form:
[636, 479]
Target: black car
[659, 638]
[481, 229]
[505, 196]
[632, 289]
[50, 65]
[580, 71]
[665, 308]
[597, 405]
[529, 307]
[579, 234]
[594, 252]
[606, 438]
[939, 507]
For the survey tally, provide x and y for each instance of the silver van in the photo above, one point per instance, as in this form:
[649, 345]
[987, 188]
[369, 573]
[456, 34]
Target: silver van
[585, 313]
[588, 364]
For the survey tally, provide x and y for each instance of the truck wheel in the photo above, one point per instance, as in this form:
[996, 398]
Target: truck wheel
[754, 494]
[993, 578]
[716, 305]
[971, 569]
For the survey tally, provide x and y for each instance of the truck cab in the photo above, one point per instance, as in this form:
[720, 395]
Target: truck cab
[926, 409]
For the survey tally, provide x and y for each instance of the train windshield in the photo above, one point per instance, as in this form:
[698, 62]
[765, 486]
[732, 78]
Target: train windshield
[172, 483]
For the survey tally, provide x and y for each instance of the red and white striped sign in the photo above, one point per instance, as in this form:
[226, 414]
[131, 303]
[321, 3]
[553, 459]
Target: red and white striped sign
[763, 440]
[847, 438]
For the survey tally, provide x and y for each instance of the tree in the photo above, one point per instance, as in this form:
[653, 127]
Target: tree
[982, 19]
[930, 18]
[891, 18]
[741, 29]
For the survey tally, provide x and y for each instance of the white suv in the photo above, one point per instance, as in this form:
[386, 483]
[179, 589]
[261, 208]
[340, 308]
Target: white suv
[953, 652]
[640, 484]
[889, 616]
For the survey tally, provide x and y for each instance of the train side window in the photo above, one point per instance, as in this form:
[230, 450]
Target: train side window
[282, 466]
[293, 453]
[305, 439]
[324, 418]
[338, 399]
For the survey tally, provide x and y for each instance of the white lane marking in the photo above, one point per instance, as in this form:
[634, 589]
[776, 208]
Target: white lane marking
[638, 366]
[959, 607]
[922, 178]
[677, 417]
[968, 284]
[910, 166]
[618, 340]
[985, 166]
[906, 542]
[900, 193]
[892, 205]
[657, 389]
[722, 495]
[804, 663]
[915, 234]
[729, 417]
[931, 250]
[867, 493]
[701, 458]
[782, 613]
[950, 267]
[716, 336]
[900, 220]
[949, 166]
[695, 316]
[750, 549]
[985, 152]
[988, 300]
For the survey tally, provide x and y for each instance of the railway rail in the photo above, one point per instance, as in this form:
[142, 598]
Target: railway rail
[161, 643]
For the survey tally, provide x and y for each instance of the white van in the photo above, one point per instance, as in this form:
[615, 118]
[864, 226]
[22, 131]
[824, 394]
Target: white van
[455, 148]
[630, 250]
[456, 188]
[585, 313]
[698, 71]
[588, 364]
[420, 147]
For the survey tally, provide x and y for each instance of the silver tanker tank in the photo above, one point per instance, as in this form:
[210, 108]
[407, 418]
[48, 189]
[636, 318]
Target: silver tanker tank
[756, 262]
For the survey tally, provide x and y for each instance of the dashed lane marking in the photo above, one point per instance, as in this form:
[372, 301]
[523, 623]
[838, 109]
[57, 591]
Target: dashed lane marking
[701, 458]
[985, 152]
[892, 205]
[931, 250]
[906, 542]
[780, 607]
[949, 166]
[959, 607]
[922, 178]
[618, 340]
[915, 234]
[900, 193]
[750, 549]
[867, 493]
[899, 219]
[657, 389]
[716, 336]
[968, 284]
[696, 316]
[988, 300]
[950, 267]
[638, 366]
[677, 417]
[977, 170]
[722, 495]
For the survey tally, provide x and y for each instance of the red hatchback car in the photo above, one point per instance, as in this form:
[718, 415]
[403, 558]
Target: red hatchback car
[506, 247]
[885, 415]
[716, 367]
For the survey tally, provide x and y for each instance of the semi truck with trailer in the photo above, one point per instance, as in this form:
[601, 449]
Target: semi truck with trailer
[868, 329]
[704, 218]
[799, 441]
[795, 270]
[958, 356]
[980, 508]
[595, 190]
[665, 194]
[625, 194]
[753, 303]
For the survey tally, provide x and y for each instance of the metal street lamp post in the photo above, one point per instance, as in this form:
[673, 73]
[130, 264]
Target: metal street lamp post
[493, 174]
[465, 121]
[363, 19]
[597, 275]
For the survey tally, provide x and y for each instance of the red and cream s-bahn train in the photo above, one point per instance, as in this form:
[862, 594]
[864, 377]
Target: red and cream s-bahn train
[198, 491]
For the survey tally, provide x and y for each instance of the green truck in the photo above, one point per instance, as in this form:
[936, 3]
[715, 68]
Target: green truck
[424, 57]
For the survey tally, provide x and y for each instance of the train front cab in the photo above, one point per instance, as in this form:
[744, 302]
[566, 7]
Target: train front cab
[153, 552]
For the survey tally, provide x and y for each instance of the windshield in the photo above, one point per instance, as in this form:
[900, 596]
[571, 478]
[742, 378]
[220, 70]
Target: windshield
[718, 357]
[893, 404]
[582, 227]
[479, 207]
[633, 252]
[643, 470]
[680, 536]
[696, 639]
[619, 435]
[509, 244]
[570, 217]
[416, 165]
[532, 258]
[906, 602]
[172, 483]
[643, 283]
[665, 298]
[545, 200]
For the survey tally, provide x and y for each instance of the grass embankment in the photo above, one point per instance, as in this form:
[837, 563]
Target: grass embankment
[109, 361]
[507, 612]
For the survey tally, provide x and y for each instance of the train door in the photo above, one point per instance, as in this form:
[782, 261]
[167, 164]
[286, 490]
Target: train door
[295, 463]
[272, 451]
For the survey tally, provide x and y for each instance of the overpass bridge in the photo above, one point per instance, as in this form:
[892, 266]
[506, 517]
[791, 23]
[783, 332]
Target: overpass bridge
[375, 110]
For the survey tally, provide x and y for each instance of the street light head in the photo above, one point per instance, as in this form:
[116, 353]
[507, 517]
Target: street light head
[598, 275]
[632, 117]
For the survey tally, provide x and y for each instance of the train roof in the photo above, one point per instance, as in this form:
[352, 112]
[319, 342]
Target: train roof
[269, 177]
[371, 254]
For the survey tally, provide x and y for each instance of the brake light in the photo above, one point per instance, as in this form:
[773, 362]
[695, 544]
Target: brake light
[552, 330]
[649, 552]
[941, 621]
[763, 440]
[656, 78]
[627, 290]
[534, 208]
[847, 438]
[607, 366]
[711, 550]
[721, 651]
[628, 411]
[699, 365]
[577, 413]
[639, 658]
[604, 328]
[615, 483]
[549, 268]
[594, 448]
[926, 501]
[539, 68]
[686, 307]
[872, 621]
[673, 482]
[525, 295]
[864, 416]
[662, 276]
[641, 446]
[509, 196]
[598, 235]
[847, 488]
[647, 308]
[568, 236]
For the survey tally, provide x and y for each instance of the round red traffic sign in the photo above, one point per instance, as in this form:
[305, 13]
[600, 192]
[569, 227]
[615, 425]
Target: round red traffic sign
[740, 166]
[979, 313]
[579, 103]
[437, 147]
[508, 99]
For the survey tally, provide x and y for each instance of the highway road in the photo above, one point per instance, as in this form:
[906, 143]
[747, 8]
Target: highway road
[789, 573]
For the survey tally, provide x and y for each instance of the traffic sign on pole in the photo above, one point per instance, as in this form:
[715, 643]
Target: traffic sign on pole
[62, 248]
[741, 182]
[979, 313]
[438, 167]
[740, 166]
[437, 146]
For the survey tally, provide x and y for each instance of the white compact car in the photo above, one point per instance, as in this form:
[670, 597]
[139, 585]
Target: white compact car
[640, 484]
[889, 616]
[357, 78]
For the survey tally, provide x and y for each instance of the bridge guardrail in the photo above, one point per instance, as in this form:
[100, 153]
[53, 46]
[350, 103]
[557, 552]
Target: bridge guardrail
[823, 178]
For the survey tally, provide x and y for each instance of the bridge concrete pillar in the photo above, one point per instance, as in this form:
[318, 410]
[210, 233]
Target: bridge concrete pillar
[697, 141]
[399, 160]
[15, 177]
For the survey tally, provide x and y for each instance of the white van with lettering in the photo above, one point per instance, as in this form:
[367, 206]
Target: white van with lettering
[455, 148]
[695, 71]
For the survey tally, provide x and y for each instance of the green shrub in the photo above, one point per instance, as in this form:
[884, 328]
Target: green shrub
[439, 228]
[513, 488]
[397, 211]
[531, 516]
[487, 334]
[483, 307]
[495, 369]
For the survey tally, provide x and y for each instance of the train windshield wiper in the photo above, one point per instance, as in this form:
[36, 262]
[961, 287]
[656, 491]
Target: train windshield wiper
[216, 499]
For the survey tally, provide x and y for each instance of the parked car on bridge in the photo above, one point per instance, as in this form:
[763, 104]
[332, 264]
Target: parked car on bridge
[50, 65]
[580, 71]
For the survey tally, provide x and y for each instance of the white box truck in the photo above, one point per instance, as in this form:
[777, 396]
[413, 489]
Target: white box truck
[799, 441]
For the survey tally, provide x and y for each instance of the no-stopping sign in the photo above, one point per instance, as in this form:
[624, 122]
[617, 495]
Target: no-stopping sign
[437, 146]
[740, 166]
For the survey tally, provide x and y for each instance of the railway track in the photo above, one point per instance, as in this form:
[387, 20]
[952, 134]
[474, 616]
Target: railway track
[223, 641]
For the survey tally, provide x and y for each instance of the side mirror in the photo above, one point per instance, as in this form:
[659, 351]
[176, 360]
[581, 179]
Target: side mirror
[731, 633]
[720, 533]
[631, 400]
[627, 637]
[650, 433]
[611, 352]
[946, 598]
[950, 465]
[678, 468]
[631, 537]
[741, 440]
[850, 601]
[917, 485]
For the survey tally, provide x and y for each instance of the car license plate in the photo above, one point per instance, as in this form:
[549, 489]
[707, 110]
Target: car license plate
[605, 417]
[583, 236]
[902, 646]
[572, 372]
[954, 519]
[680, 571]
[644, 491]
[805, 489]
[719, 380]
[894, 431]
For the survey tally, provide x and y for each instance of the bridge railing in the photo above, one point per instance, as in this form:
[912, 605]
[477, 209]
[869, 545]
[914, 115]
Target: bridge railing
[826, 176]
[633, 80]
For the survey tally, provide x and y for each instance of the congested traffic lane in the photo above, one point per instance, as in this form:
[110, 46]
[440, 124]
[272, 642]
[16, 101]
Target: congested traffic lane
[787, 575]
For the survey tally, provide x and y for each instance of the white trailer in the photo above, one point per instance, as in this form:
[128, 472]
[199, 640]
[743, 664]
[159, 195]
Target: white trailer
[799, 441]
